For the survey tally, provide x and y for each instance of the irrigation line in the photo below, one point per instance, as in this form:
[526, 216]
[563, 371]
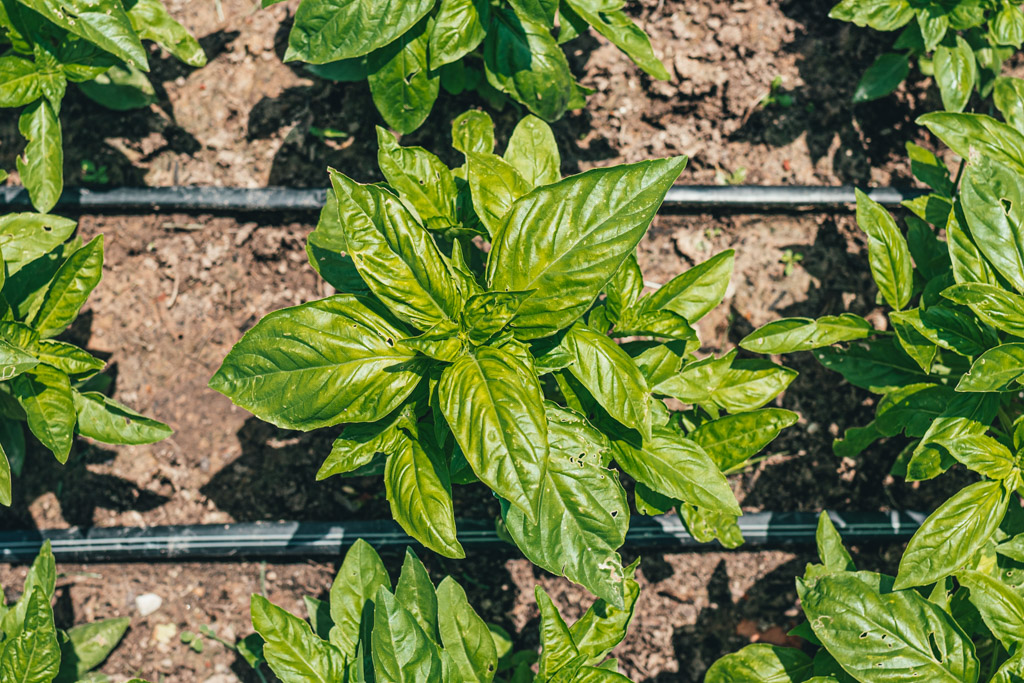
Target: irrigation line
[301, 540]
[284, 199]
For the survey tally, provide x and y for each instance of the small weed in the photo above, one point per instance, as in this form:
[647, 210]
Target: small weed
[790, 259]
[775, 97]
[94, 174]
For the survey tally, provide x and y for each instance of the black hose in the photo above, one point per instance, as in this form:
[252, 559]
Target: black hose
[284, 199]
[301, 540]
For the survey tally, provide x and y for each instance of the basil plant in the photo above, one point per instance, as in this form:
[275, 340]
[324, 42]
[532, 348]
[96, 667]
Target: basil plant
[948, 374]
[475, 339]
[962, 43]
[502, 49]
[46, 44]
[33, 650]
[52, 386]
[864, 626]
[414, 631]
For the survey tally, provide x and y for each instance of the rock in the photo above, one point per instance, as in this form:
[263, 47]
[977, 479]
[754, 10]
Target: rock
[147, 603]
[163, 633]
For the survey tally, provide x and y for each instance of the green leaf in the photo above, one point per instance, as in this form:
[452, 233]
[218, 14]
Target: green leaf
[678, 468]
[152, 21]
[1008, 95]
[735, 385]
[415, 592]
[395, 255]
[362, 573]
[964, 414]
[732, 439]
[103, 23]
[912, 409]
[32, 655]
[956, 73]
[494, 405]
[557, 647]
[459, 27]
[948, 328]
[878, 366]
[761, 663]
[88, 645]
[70, 289]
[888, 254]
[993, 201]
[121, 89]
[1011, 671]
[533, 152]
[998, 369]
[566, 240]
[487, 313]
[420, 493]
[24, 237]
[883, 636]
[611, 376]
[320, 364]
[14, 361]
[617, 27]
[982, 454]
[583, 514]
[969, 265]
[994, 305]
[67, 358]
[41, 166]
[329, 30]
[804, 334]
[697, 291]
[882, 77]
[45, 395]
[1007, 26]
[318, 612]
[473, 131]
[20, 83]
[465, 636]
[402, 84]
[831, 550]
[402, 652]
[5, 478]
[603, 626]
[291, 649]
[422, 180]
[1001, 608]
[929, 169]
[709, 525]
[359, 444]
[948, 538]
[495, 185]
[964, 132]
[106, 420]
[881, 15]
[522, 60]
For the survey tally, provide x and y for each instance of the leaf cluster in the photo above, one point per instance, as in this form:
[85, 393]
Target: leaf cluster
[370, 631]
[503, 49]
[33, 650]
[962, 43]
[476, 338]
[52, 386]
[97, 44]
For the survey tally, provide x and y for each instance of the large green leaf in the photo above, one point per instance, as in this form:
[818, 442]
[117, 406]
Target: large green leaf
[106, 420]
[329, 30]
[912, 409]
[885, 636]
[566, 240]
[318, 364]
[522, 59]
[732, 439]
[761, 663]
[965, 132]
[466, 638]
[617, 27]
[362, 573]
[610, 375]
[415, 592]
[494, 405]
[948, 538]
[69, 289]
[955, 72]
[998, 369]
[33, 655]
[965, 413]
[676, 467]
[473, 131]
[533, 152]
[14, 361]
[419, 490]
[804, 334]
[20, 82]
[583, 514]
[103, 23]
[88, 645]
[733, 384]
[45, 395]
[152, 21]
[994, 305]
[420, 178]
[992, 195]
[694, 293]
[1001, 607]
[969, 264]
[459, 27]
[877, 366]
[401, 82]
[402, 652]
[24, 237]
[881, 15]
[395, 255]
[41, 166]
[891, 266]
[291, 649]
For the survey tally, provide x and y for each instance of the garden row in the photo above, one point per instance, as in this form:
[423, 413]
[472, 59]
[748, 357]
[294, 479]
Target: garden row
[493, 327]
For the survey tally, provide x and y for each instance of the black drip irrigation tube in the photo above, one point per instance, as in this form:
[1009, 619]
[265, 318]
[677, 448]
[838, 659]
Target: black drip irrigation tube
[286, 199]
[302, 540]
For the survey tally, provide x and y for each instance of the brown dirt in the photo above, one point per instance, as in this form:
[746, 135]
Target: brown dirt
[179, 290]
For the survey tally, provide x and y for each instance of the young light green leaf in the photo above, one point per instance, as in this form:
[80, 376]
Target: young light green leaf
[88, 645]
[152, 21]
[955, 72]
[494, 405]
[68, 358]
[103, 23]
[465, 636]
[603, 626]
[14, 361]
[415, 592]
[969, 265]
[998, 369]
[5, 478]
[966, 413]
[831, 550]
[362, 573]
[732, 439]
[495, 186]
[20, 82]
[24, 237]
[318, 364]
[32, 655]
[422, 180]
[402, 652]
[694, 293]
[982, 454]
[329, 30]
[533, 152]
[419, 490]
[565, 243]
[948, 538]
[804, 334]
[617, 27]
[402, 84]
[888, 254]
[761, 663]
[106, 420]
[1007, 26]
[881, 15]
[45, 395]
[473, 131]
[69, 289]
[557, 646]
[359, 445]
[291, 649]
[41, 165]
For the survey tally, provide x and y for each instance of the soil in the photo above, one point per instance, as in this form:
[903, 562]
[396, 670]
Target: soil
[179, 290]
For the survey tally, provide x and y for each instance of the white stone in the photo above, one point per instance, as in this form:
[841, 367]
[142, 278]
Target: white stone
[147, 603]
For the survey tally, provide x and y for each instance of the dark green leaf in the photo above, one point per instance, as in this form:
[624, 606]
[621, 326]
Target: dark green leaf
[882, 77]
[402, 84]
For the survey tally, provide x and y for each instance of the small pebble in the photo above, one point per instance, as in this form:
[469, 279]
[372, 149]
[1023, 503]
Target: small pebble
[147, 603]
